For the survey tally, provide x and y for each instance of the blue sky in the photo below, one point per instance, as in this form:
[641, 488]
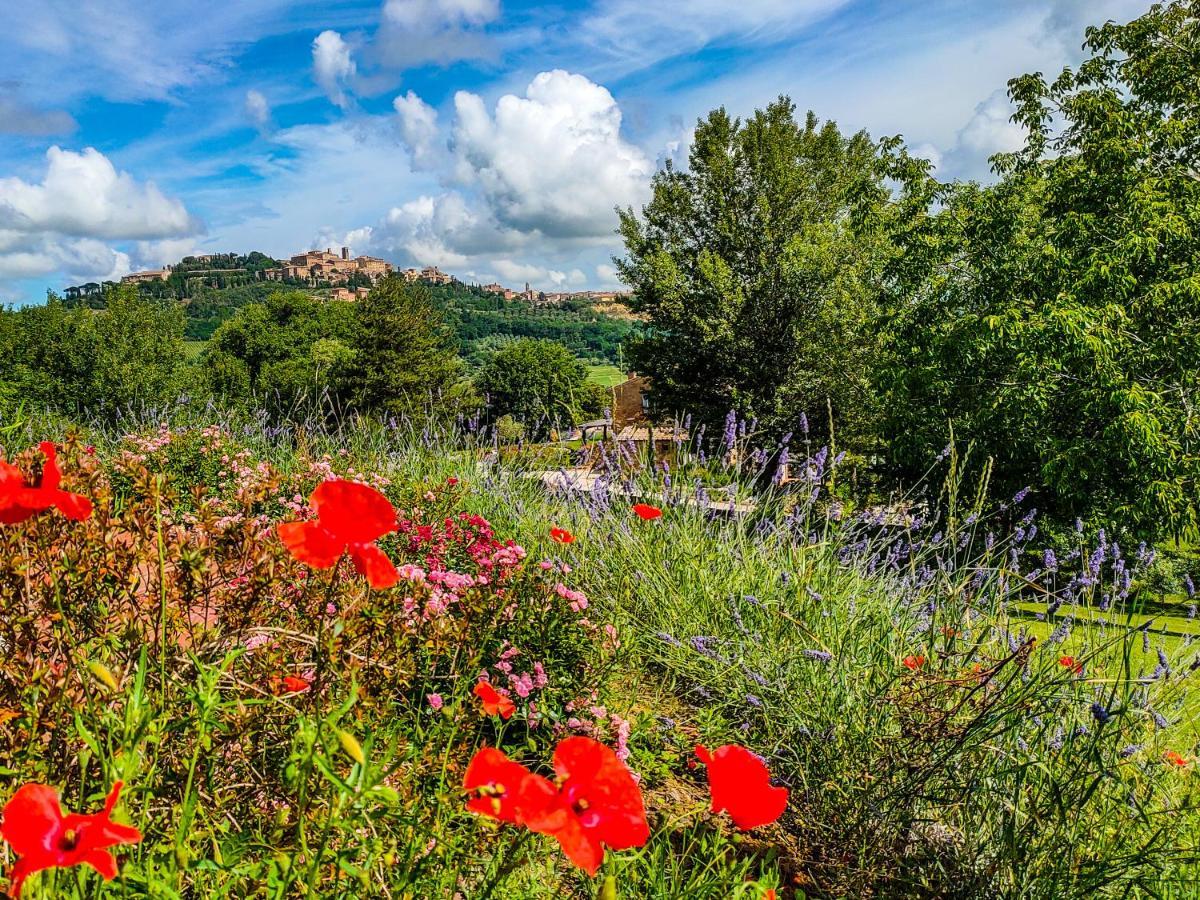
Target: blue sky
[490, 137]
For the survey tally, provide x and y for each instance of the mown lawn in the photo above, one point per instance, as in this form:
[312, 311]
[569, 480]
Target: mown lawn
[605, 376]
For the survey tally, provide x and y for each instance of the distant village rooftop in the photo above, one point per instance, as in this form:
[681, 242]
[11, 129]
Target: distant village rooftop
[324, 267]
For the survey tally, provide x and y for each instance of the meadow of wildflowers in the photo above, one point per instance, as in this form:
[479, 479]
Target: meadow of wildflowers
[377, 660]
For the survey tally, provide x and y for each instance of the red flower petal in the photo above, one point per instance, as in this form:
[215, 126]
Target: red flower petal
[34, 824]
[32, 819]
[581, 846]
[646, 512]
[596, 782]
[18, 502]
[51, 476]
[293, 684]
[12, 514]
[11, 481]
[102, 861]
[355, 513]
[494, 703]
[311, 544]
[98, 831]
[498, 782]
[561, 536]
[741, 785]
[73, 506]
[374, 565]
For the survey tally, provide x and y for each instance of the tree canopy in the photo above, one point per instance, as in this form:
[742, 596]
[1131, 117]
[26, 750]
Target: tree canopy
[288, 349]
[92, 362]
[538, 382]
[758, 285]
[404, 355]
[1053, 317]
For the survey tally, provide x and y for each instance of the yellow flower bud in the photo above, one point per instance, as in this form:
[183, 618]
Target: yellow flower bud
[352, 747]
[104, 675]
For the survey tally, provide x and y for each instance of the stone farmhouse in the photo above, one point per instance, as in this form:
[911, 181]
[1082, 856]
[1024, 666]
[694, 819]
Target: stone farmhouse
[431, 274]
[349, 294]
[151, 275]
[501, 290]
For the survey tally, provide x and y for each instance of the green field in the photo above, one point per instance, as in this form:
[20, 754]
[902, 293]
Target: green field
[193, 349]
[605, 376]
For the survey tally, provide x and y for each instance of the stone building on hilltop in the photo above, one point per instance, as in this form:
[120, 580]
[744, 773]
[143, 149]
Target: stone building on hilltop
[316, 267]
[151, 275]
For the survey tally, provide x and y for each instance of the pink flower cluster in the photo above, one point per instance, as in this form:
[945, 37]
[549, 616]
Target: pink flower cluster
[594, 720]
[577, 599]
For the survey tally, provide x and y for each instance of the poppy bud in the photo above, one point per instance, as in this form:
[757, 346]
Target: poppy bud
[104, 675]
[352, 747]
[608, 890]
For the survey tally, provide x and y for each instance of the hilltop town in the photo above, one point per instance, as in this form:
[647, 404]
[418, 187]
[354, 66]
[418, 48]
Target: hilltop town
[211, 288]
[347, 277]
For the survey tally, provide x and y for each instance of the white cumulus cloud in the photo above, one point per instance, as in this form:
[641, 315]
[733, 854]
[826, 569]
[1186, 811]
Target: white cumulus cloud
[78, 259]
[63, 222]
[607, 275]
[413, 32]
[443, 230]
[418, 128]
[528, 187]
[553, 161]
[538, 277]
[333, 66]
[83, 195]
[991, 129]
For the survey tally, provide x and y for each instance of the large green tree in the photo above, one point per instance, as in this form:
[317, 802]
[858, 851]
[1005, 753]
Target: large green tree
[1054, 317]
[291, 349]
[95, 362]
[405, 361]
[538, 382]
[756, 273]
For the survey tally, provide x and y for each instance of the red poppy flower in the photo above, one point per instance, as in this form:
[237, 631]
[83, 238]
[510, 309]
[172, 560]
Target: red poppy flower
[645, 512]
[19, 502]
[350, 518]
[44, 838]
[770, 894]
[1174, 758]
[494, 703]
[12, 482]
[1069, 662]
[293, 684]
[501, 786]
[561, 536]
[913, 662]
[740, 784]
[452, 481]
[595, 803]
[598, 804]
